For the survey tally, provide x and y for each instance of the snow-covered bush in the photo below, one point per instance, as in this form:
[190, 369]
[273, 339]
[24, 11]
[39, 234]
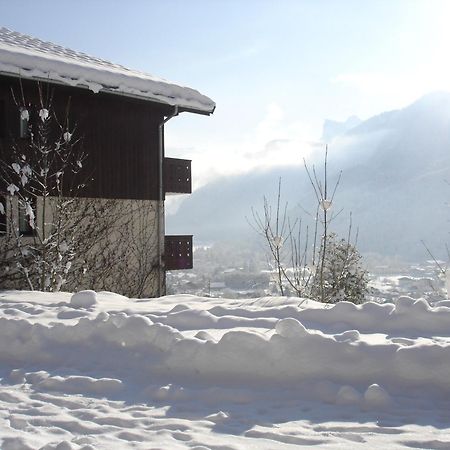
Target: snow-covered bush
[343, 277]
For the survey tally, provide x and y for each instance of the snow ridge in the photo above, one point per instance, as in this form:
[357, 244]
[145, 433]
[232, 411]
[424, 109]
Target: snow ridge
[277, 356]
[99, 370]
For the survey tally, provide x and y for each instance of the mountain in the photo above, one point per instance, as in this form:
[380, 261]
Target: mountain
[396, 169]
[332, 128]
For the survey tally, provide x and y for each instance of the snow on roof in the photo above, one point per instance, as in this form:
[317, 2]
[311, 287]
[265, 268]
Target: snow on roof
[27, 57]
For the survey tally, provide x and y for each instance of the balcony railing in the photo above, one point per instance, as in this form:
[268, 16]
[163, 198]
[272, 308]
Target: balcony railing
[177, 176]
[178, 252]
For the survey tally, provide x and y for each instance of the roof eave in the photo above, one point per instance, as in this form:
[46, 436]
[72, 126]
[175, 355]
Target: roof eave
[181, 107]
[197, 111]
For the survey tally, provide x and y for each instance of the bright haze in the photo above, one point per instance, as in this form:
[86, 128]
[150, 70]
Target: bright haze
[277, 70]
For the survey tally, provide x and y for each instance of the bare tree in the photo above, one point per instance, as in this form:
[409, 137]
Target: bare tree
[53, 236]
[39, 173]
[273, 230]
[314, 264]
[120, 248]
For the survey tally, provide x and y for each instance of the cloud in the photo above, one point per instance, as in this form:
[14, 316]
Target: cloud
[393, 90]
[274, 140]
[272, 147]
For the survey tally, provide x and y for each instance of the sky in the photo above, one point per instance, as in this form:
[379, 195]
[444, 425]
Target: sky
[276, 69]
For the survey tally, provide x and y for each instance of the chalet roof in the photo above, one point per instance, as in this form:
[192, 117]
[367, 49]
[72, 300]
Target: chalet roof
[27, 57]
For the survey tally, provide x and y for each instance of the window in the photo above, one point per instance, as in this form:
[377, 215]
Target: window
[27, 214]
[2, 214]
[24, 118]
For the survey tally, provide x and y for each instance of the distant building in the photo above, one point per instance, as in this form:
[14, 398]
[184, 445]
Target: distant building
[217, 285]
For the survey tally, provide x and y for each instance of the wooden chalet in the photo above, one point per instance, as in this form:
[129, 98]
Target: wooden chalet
[121, 115]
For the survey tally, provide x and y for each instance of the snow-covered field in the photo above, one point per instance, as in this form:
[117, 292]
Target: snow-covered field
[101, 371]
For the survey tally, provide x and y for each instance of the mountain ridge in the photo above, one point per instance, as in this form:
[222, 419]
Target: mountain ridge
[395, 166]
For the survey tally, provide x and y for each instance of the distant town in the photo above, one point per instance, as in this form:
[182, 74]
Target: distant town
[236, 271]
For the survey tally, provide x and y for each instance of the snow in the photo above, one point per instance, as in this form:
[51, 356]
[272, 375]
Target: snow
[83, 299]
[447, 282]
[96, 370]
[24, 114]
[28, 57]
[43, 114]
[12, 188]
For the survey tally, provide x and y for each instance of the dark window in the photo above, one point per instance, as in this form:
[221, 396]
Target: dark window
[2, 214]
[27, 217]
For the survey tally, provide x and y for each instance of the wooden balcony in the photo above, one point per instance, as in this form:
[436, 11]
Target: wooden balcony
[178, 252]
[177, 176]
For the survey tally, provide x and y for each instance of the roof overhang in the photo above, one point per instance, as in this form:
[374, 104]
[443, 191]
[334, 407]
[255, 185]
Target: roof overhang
[24, 57]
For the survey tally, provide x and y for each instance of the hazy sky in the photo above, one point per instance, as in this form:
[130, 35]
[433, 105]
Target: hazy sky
[276, 69]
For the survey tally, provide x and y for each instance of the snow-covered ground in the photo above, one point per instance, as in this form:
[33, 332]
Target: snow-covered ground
[101, 371]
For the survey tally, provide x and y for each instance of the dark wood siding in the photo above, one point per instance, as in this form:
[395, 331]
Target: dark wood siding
[178, 252]
[3, 214]
[120, 136]
[2, 118]
[177, 176]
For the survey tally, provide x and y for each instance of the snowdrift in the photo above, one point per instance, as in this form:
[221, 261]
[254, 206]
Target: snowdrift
[372, 358]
